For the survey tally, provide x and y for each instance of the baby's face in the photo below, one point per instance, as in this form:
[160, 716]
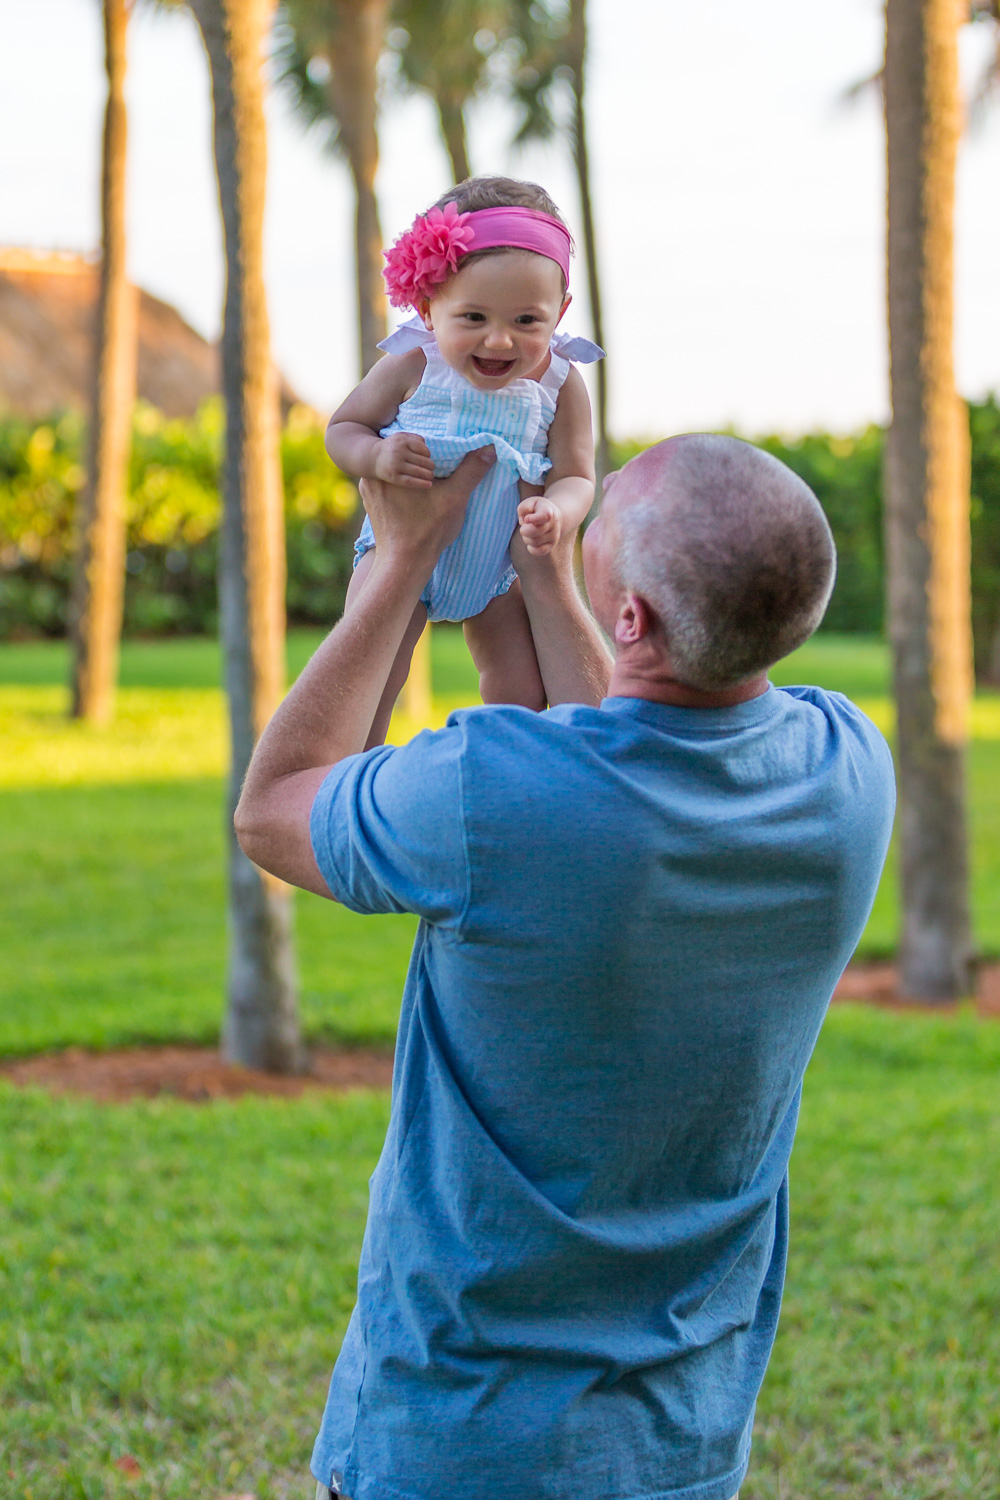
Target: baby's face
[493, 319]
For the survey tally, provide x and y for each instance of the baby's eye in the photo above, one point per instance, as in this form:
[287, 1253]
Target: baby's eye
[475, 317]
[526, 319]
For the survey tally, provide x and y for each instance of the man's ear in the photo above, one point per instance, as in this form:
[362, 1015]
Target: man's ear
[635, 621]
[424, 312]
[565, 303]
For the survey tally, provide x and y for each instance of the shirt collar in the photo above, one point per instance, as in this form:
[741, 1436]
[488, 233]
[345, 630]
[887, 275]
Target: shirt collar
[668, 716]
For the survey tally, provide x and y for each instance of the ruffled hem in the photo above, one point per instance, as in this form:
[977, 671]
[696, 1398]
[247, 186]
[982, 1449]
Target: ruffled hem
[448, 452]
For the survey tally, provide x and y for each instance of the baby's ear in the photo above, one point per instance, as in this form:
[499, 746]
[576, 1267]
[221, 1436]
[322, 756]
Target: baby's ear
[424, 312]
[565, 303]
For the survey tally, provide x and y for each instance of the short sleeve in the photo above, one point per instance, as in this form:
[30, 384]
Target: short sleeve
[387, 829]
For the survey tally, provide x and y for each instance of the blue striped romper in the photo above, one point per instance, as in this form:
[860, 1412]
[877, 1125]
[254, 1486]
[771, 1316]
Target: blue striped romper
[454, 418]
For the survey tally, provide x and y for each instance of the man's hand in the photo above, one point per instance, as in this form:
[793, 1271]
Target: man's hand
[540, 523]
[422, 532]
[404, 458]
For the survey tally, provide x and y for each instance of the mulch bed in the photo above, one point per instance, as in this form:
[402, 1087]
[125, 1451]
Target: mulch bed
[198, 1074]
[878, 984]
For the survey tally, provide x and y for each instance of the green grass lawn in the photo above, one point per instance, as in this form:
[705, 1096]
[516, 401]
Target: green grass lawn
[112, 923]
[195, 662]
[175, 1279]
[111, 880]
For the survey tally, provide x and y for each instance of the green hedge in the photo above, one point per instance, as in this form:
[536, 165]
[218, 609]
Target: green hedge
[173, 516]
[173, 511]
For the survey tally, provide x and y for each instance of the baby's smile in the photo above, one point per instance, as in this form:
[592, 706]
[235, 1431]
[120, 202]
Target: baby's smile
[495, 368]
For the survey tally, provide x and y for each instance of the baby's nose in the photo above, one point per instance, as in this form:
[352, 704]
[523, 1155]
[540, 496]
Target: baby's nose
[498, 338]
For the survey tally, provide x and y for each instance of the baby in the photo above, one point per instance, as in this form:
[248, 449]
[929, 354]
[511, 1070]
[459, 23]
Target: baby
[486, 270]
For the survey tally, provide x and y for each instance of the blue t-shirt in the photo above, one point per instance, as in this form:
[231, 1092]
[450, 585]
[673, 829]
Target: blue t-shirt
[633, 919]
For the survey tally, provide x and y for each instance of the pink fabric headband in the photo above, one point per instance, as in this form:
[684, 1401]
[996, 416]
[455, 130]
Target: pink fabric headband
[430, 250]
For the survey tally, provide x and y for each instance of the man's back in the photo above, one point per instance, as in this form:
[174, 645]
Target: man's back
[635, 916]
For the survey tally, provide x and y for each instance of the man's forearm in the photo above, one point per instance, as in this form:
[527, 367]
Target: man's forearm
[574, 660]
[329, 710]
[326, 716]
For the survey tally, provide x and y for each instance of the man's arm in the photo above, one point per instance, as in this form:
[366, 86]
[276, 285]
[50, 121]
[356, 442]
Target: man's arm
[573, 657]
[328, 712]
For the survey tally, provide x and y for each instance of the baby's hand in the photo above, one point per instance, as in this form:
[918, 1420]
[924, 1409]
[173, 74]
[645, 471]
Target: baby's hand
[404, 458]
[540, 523]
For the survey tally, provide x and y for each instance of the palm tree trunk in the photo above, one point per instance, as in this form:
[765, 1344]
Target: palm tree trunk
[99, 578]
[357, 33]
[576, 51]
[262, 1025]
[927, 489]
[451, 118]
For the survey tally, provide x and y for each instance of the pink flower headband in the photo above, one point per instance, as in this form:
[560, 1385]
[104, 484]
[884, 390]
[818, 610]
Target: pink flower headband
[430, 250]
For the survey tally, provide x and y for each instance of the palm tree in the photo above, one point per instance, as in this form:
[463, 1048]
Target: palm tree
[448, 49]
[576, 58]
[262, 1026]
[327, 55]
[927, 494]
[99, 575]
[556, 48]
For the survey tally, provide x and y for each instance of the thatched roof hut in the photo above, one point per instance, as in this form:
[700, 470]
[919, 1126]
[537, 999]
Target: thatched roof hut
[47, 308]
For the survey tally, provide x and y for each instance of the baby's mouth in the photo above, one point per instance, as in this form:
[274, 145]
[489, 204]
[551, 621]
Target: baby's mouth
[493, 367]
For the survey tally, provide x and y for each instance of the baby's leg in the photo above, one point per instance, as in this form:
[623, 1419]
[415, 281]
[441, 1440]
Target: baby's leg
[401, 665]
[504, 653]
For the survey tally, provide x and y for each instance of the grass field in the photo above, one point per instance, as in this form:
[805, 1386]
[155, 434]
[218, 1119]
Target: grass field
[111, 862]
[111, 875]
[174, 1280]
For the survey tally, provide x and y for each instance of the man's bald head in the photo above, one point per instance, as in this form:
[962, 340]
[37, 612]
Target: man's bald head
[729, 549]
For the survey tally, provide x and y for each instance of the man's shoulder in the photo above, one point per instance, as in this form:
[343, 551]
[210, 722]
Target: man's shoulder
[842, 715]
[479, 742]
[849, 753]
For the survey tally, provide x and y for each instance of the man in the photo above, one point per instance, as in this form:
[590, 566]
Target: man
[633, 917]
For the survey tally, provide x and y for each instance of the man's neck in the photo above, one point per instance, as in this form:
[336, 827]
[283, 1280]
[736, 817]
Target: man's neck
[631, 680]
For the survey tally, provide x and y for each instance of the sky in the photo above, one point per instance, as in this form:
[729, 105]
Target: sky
[740, 203]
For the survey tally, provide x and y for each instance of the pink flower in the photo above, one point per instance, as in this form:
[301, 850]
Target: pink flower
[426, 254]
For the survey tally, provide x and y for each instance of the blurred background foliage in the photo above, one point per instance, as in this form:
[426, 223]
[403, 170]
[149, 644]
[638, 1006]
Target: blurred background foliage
[173, 513]
[173, 517]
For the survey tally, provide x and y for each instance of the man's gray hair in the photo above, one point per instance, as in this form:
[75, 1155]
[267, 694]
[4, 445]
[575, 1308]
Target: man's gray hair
[733, 554]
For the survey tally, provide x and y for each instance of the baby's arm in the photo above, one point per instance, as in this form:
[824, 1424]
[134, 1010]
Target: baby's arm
[352, 434]
[569, 484]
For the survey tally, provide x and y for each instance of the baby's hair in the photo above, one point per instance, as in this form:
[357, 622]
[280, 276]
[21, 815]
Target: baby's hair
[497, 192]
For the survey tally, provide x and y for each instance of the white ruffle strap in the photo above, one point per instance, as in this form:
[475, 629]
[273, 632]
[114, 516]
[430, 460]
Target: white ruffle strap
[413, 335]
[581, 351]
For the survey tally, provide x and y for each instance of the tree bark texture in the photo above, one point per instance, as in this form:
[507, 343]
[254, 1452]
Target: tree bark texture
[99, 579]
[576, 52]
[357, 34]
[262, 1024]
[451, 116]
[927, 498]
